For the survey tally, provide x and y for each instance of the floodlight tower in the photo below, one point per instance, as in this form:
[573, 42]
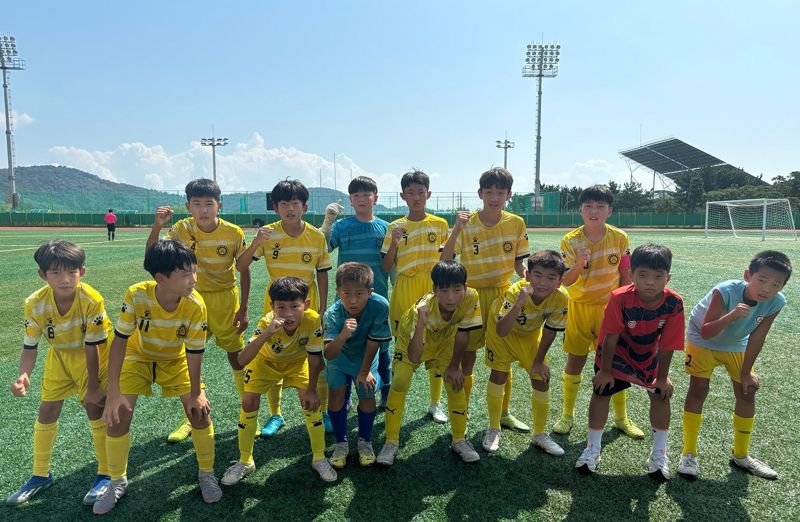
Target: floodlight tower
[541, 61]
[10, 62]
[214, 143]
[505, 145]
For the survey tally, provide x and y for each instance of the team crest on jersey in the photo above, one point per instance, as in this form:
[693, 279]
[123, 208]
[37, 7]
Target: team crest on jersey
[222, 250]
[759, 318]
[182, 331]
[306, 257]
[431, 237]
[631, 324]
[507, 246]
[303, 341]
[613, 259]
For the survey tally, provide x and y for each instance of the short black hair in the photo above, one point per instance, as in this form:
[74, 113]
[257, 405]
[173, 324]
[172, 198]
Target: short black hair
[362, 184]
[202, 188]
[599, 193]
[652, 256]
[448, 273]
[547, 259]
[773, 259]
[111, 210]
[353, 272]
[288, 289]
[287, 190]
[415, 176]
[496, 177]
[168, 255]
[59, 254]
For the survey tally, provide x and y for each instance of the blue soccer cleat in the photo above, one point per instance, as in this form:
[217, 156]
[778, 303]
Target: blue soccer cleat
[30, 489]
[272, 426]
[101, 482]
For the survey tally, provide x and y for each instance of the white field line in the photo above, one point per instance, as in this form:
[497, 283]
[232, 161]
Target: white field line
[82, 244]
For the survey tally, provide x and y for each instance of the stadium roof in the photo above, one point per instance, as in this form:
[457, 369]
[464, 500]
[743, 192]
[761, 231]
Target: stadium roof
[670, 156]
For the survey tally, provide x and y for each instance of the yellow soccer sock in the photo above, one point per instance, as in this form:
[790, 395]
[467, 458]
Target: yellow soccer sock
[238, 380]
[203, 441]
[248, 424]
[274, 398]
[507, 394]
[322, 393]
[572, 383]
[540, 410]
[117, 449]
[691, 431]
[44, 438]
[742, 431]
[395, 407]
[494, 403]
[316, 433]
[98, 428]
[457, 408]
[468, 386]
[619, 403]
[436, 382]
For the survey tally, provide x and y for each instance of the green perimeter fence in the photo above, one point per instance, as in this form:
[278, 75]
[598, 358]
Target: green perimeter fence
[545, 220]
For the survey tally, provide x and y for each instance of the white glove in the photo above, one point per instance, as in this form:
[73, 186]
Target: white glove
[333, 210]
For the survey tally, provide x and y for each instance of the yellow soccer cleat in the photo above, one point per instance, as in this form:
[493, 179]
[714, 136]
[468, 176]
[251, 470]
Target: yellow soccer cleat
[181, 432]
[564, 425]
[629, 428]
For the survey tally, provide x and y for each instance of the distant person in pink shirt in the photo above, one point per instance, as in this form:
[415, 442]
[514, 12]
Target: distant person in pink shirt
[111, 223]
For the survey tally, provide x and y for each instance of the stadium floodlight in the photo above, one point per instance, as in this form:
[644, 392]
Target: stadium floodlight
[214, 143]
[505, 145]
[10, 62]
[541, 61]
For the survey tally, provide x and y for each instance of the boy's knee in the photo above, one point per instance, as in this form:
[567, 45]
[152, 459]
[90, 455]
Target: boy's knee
[250, 401]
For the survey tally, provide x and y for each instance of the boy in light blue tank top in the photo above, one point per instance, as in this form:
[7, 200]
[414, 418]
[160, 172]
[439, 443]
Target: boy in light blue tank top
[728, 327]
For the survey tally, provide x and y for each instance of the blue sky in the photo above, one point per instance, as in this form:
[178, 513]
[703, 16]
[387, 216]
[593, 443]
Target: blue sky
[126, 90]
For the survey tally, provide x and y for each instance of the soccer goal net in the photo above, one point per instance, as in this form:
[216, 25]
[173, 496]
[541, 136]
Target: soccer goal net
[755, 218]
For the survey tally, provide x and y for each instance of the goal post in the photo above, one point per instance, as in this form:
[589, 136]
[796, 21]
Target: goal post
[754, 218]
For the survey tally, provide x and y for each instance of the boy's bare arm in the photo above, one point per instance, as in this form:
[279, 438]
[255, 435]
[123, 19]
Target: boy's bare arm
[115, 400]
[506, 323]
[365, 377]
[716, 320]
[417, 342]
[163, 214]
[246, 259]
[26, 363]
[604, 377]
[391, 255]
[539, 366]
[241, 319]
[251, 350]
[453, 372]
[449, 249]
[334, 347]
[322, 284]
[754, 345]
[93, 393]
[663, 383]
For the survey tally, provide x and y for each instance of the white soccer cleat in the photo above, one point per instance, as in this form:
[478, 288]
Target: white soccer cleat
[209, 487]
[235, 473]
[387, 454]
[465, 451]
[658, 466]
[491, 441]
[548, 445]
[109, 498]
[754, 466]
[439, 416]
[325, 470]
[688, 466]
[588, 460]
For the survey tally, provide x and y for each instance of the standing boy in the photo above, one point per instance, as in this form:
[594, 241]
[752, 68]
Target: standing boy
[522, 326]
[492, 244]
[286, 348]
[598, 257]
[355, 327]
[71, 316]
[729, 327]
[217, 244]
[359, 239]
[412, 243]
[643, 325]
[291, 248]
[159, 338]
[435, 331]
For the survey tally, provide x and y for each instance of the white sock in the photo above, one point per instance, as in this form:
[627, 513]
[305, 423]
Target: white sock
[595, 439]
[660, 441]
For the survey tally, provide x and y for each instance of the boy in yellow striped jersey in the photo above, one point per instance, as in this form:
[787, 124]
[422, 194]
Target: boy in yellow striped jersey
[522, 325]
[217, 245]
[412, 246]
[71, 316]
[292, 248]
[159, 338]
[598, 258]
[492, 244]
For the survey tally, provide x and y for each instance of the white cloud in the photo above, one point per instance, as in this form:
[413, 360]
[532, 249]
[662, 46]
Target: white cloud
[18, 119]
[580, 174]
[250, 165]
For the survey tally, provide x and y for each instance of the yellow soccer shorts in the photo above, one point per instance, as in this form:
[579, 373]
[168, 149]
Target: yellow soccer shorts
[65, 373]
[435, 354]
[407, 290]
[313, 296]
[502, 351]
[583, 327]
[222, 306]
[137, 377]
[486, 296]
[261, 375]
[700, 362]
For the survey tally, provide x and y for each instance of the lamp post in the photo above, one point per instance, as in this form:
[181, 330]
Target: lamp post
[505, 145]
[541, 61]
[214, 143]
[10, 62]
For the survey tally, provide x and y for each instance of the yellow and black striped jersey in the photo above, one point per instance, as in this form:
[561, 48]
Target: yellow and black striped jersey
[490, 253]
[216, 252]
[282, 347]
[418, 249]
[155, 334]
[302, 256]
[84, 323]
[552, 312]
[595, 283]
[465, 318]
